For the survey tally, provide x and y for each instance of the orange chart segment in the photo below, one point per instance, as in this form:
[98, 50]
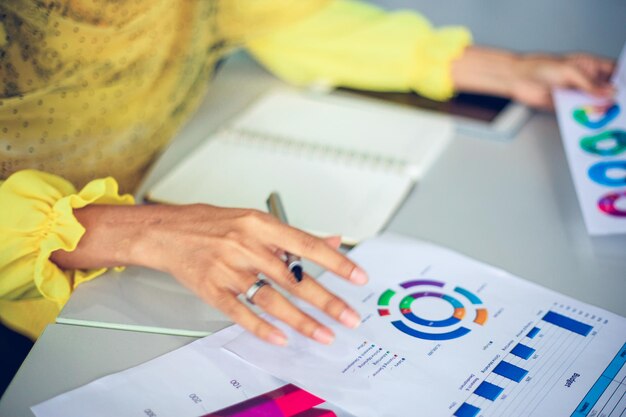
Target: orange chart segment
[481, 316]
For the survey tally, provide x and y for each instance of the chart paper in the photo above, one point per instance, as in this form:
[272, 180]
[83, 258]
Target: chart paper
[445, 335]
[594, 136]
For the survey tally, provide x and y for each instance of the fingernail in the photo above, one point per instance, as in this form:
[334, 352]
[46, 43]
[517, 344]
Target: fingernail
[358, 276]
[323, 336]
[277, 338]
[349, 318]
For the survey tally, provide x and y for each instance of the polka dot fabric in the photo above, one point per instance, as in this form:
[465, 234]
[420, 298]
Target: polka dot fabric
[92, 88]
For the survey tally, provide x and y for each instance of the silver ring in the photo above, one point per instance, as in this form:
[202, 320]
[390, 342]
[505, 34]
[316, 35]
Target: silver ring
[254, 288]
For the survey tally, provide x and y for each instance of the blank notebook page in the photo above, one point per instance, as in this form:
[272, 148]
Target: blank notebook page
[319, 195]
[334, 174]
[341, 121]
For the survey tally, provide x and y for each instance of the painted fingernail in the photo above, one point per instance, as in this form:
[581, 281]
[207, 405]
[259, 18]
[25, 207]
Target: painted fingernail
[323, 336]
[277, 338]
[349, 318]
[358, 276]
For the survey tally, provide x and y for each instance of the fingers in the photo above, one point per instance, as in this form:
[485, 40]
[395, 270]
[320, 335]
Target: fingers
[607, 68]
[590, 74]
[274, 303]
[312, 292]
[281, 236]
[597, 68]
[315, 294]
[333, 241]
[602, 70]
[576, 78]
[317, 250]
[228, 303]
[221, 262]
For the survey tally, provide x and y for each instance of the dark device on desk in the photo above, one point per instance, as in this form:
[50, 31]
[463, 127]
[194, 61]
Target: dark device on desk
[474, 114]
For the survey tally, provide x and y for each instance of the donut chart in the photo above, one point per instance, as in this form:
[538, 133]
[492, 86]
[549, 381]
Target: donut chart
[608, 143]
[607, 204]
[413, 324]
[603, 115]
[598, 173]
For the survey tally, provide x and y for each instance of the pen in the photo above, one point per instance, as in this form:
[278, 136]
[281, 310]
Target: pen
[275, 207]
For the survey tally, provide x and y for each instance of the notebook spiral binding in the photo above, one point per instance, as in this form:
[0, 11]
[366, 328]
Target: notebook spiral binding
[275, 143]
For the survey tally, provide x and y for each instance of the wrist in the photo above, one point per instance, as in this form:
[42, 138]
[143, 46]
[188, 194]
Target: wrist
[151, 236]
[113, 236]
[486, 71]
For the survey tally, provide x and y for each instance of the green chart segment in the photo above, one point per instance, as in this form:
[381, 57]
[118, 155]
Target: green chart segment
[405, 306]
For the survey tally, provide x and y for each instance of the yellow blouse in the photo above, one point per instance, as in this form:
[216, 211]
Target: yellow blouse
[96, 88]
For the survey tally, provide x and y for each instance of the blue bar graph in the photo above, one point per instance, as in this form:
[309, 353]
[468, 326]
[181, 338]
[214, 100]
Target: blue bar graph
[510, 371]
[567, 323]
[522, 351]
[533, 332]
[488, 390]
[467, 410]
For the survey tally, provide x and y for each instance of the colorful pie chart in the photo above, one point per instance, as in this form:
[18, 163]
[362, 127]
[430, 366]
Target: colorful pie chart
[596, 116]
[608, 204]
[599, 172]
[608, 143]
[414, 324]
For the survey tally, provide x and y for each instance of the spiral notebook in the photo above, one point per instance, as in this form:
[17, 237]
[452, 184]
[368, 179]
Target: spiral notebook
[342, 165]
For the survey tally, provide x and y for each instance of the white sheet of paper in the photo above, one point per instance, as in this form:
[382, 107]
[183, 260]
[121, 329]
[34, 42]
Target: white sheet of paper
[619, 76]
[598, 170]
[191, 381]
[435, 326]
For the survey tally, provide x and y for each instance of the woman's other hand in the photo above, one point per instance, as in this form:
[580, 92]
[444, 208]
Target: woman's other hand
[529, 78]
[536, 75]
[218, 253]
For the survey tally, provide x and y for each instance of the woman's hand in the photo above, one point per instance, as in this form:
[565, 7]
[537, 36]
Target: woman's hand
[218, 253]
[536, 75]
[530, 78]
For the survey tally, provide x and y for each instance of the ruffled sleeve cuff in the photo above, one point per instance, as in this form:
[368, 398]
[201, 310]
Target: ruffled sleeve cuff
[36, 219]
[354, 44]
[433, 62]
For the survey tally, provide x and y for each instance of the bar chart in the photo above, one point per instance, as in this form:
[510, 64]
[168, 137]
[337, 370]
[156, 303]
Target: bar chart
[544, 360]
